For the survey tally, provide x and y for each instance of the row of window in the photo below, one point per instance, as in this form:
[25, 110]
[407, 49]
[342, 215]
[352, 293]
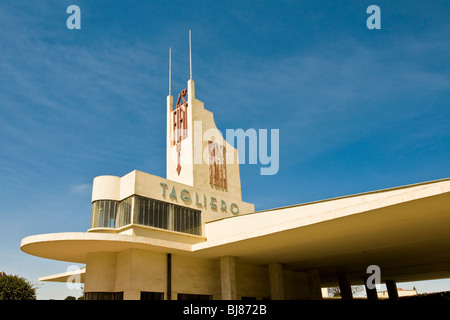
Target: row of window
[144, 296]
[103, 296]
[147, 212]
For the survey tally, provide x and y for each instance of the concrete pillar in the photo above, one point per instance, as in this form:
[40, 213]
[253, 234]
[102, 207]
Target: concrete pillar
[131, 295]
[228, 277]
[276, 281]
[314, 289]
[391, 287]
[345, 287]
[371, 293]
[100, 272]
[169, 277]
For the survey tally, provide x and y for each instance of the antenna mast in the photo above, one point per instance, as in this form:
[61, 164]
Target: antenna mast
[170, 71]
[190, 56]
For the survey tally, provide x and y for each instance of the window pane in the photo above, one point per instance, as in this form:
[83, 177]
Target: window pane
[187, 296]
[123, 213]
[152, 295]
[103, 296]
[156, 214]
[103, 214]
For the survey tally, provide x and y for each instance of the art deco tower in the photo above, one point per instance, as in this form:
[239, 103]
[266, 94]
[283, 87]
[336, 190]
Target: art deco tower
[197, 153]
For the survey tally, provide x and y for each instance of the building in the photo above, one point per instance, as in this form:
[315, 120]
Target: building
[401, 293]
[191, 236]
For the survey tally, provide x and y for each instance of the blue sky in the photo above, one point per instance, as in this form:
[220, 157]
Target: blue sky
[357, 109]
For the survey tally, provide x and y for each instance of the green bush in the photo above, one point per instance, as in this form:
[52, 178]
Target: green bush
[16, 288]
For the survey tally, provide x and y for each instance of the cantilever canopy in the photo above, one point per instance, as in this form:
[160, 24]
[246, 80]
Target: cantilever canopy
[75, 276]
[404, 230]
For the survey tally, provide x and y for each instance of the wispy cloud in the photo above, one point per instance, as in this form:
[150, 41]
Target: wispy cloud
[13, 172]
[337, 94]
[81, 188]
[64, 98]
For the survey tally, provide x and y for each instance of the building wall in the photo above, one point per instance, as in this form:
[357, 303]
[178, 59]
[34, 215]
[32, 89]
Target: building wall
[100, 272]
[195, 276]
[400, 292]
[194, 164]
[295, 285]
[252, 281]
[150, 186]
[132, 271]
[186, 175]
[148, 271]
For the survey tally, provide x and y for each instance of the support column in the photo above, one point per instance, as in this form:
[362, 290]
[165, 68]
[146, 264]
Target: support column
[391, 287]
[100, 272]
[314, 290]
[276, 281]
[345, 287]
[371, 293]
[228, 277]
[169, 277]
[131, 295]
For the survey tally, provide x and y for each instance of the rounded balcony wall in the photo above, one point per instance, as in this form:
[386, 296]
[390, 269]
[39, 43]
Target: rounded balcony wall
[106, 188]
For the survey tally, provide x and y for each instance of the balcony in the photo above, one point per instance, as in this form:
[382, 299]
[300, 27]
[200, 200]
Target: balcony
[112, 216]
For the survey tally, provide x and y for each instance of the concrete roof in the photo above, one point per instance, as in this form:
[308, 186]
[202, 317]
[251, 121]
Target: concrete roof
[403, 230]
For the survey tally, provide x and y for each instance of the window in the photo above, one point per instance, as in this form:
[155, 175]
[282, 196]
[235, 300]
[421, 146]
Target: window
[103, 214]
[152, 295]
[153, 213]
[147, 212]
[123, 213]
[187, 220]
[188, 296]
[168, 216]
[103, 295]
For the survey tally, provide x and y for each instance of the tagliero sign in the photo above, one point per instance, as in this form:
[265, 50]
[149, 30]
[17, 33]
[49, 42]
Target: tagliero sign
[200, 200]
